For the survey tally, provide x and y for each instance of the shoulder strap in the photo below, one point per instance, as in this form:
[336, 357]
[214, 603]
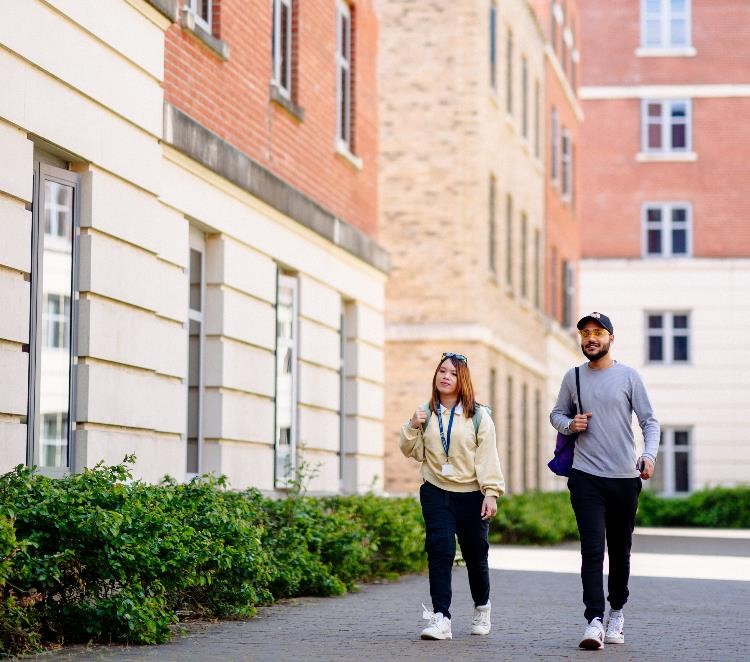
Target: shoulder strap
[429, 413]
[578, 391]
[477, 418]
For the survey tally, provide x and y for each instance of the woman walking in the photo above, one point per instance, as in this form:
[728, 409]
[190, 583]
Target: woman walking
[454, 439]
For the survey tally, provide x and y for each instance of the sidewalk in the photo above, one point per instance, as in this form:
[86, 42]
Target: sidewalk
[536, 615]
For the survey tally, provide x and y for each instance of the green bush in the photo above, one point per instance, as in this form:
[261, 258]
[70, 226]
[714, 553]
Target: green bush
[534, 518]
[718, 507]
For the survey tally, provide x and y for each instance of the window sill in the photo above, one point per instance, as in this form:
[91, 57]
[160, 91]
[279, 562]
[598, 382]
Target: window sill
[187, 21]
[684, 51]
[286, 103]
[166, 8]
[342, 150]
[662, 157]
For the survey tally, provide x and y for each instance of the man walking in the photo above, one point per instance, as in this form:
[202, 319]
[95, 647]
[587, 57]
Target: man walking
[605, 481]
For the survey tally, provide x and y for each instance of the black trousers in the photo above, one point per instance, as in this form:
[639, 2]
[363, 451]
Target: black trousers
[447, 515]
[604, 508]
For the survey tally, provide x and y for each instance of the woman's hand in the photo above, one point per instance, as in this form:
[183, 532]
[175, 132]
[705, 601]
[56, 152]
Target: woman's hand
[489, 507]
[419, 417]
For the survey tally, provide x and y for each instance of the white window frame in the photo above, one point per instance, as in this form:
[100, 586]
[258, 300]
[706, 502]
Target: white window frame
[509, 72]
[668, 334]
[665, 122]
[525, 97]
[566, 165]
[197, 243]
[193, 7]
[667, 464]
[665, 225]
[282, 62]
[665, 16]
[493, 45]
[568, 294]
[343, 65]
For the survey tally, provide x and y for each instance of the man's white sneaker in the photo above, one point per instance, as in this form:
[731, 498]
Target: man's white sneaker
[439, 626]
[593, 636]
[615, 626]
[480, 624]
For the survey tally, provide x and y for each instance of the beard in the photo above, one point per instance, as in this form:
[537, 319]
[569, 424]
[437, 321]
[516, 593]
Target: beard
[595, 355]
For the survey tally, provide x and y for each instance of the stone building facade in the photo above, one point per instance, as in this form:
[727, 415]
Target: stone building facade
[189, 266]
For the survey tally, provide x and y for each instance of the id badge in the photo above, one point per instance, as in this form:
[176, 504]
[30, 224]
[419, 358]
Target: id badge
[448, 470]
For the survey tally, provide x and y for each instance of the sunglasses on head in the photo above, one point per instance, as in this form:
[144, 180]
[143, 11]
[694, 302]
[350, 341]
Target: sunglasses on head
[451, 355]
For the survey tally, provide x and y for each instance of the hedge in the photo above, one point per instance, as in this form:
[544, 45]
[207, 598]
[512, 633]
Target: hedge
[717, 507]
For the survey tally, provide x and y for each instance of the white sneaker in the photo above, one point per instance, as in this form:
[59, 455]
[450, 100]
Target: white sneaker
[615, 625]
[439, 626]
[480, 624]
[593, 636]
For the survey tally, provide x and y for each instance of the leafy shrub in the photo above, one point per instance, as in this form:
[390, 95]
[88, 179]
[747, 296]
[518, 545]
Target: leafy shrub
[535, 518]
[719, 507]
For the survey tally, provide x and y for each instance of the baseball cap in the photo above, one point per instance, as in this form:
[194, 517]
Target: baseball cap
[599, 318]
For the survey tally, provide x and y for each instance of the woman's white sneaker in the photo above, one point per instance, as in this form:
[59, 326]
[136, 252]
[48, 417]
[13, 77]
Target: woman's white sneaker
[593, 636]
[439, 626]
[615, 627]
[480, 624]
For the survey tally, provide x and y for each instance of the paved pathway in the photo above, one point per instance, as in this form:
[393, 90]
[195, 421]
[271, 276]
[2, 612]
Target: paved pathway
[536, 615]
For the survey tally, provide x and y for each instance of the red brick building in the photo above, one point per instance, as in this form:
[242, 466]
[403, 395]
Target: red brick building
[665, 203]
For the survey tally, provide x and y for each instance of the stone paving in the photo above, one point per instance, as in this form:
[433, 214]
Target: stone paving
[536, 616]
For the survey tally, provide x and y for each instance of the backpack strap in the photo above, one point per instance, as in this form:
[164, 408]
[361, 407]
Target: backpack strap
[426, 407]
[477, 418]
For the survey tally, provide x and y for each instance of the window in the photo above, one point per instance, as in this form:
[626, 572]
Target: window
[667, 230]
[537, 266]
[509, 240]
[538, 437]
[509, 73]
[668, 338]
[493, 391]
[673, 471]
[537, 120]
[282, 46]
[492, 225]
[665, 23]
[553, 283]
[566, 165]
[524, 97]
[554, 137]
[666, 125]
[286, 380]
[344, 33]
[52, 361]
[196, 352]
[202, 10]
[524, 255]
[568, 293]
[509, 434]
[524, 436]
[493, 45]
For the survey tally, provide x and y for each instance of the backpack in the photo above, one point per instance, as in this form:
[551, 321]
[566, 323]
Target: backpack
[476, 419]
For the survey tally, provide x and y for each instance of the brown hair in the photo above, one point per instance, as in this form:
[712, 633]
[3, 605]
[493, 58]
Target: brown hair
[464, 387]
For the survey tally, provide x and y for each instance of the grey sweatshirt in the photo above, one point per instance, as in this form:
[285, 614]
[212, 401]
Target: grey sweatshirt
[607, 447]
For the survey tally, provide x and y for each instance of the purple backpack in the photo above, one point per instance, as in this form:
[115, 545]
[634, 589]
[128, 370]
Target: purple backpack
[565, 447]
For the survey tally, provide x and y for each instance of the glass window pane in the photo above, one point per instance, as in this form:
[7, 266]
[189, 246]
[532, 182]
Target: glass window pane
[654, 136]
[679, 136]
[654, 242]
[655, 348]
[653, 215]
[655, 321]
[680, 322]
[653, 6]
[679, 32]
[680, 348]
[196, 279]
[654, 110]
[679, 110]
[653, 33]
[285, 46]
[679, 242]
[681, 472]
[681, 437]
[679, 215]
[677, 6]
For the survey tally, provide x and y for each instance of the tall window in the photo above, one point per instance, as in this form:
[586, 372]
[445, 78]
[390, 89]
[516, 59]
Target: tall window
[566, 164]
[554, 310]
[524, 97]
[667, 230]
[509, 432]
[666, 125]
[493, 45]
[344, 33]
[673, 473]
[196, 352]
[665, 23]
[568, 293]
[54, 258]
[493, 391]
[554, 136]
[202, 9]
[491, 203]
[537, 120]
[509, 73]
[538, 437]
[524, 436]
[286, 379]
[537, 267]
[524, 255]
[282, 46]
[668, 338]
[509, 240]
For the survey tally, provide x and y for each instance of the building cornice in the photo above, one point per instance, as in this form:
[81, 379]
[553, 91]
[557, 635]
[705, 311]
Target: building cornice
[206, 148]
[603, 92]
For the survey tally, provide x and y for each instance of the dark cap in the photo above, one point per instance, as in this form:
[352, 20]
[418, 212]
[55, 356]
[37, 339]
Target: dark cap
[599, 318]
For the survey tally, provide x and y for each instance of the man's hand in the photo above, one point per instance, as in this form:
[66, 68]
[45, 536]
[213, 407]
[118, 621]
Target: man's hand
[419, 417]
[489, 507]
[580, 422]
[646, 467]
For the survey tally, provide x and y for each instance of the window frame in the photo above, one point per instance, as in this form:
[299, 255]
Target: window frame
[665, 18]
[666, 125]
[668, 335]
[279, 59]
[492, 223]
[554, 169]
[193, 7]
[197, 243]
[509, 73]
[525, 97]
[567, 292]
[667, 465]
[493, 45]
[667, 229]
[344, 64]
[45, 172]
[566, 165]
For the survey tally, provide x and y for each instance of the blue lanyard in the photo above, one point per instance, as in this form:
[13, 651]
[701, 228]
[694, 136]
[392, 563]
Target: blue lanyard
[446, 444]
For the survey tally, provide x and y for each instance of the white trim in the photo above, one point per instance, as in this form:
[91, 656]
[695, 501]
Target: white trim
[192, 7]
[564, 82]
[667, 333]
[557, 12]
[343, 63]
[342, 149]
[665, 17]
[708, 91]
[666, 123]
[666, 157]
[568, 37]
[277, 59]
[575, 56]
[667, 464]
[682, 51]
